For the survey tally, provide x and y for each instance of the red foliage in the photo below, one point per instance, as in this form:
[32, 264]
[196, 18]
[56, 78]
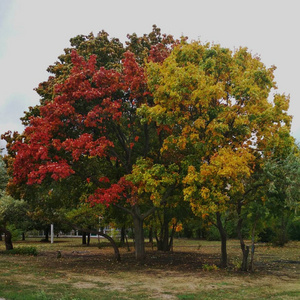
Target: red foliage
[85, 145]
[134, 77]
[159, 53]
[74, 124]
[122, 190]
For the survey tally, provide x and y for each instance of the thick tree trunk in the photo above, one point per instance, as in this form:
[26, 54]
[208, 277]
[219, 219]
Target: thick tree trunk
[139, 238]
[23, 236]
[7, 238]
[164, 240]
[138, 221]
[223, 241]
[8, 241]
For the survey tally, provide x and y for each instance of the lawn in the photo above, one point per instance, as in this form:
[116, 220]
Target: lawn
[189, 272]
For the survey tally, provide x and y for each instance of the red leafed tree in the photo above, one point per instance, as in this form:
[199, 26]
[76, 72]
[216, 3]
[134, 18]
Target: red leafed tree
[87, 128]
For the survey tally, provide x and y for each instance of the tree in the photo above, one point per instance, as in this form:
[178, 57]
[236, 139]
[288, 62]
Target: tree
[12, 212]
[3, 174]
[270, 194]
[283, 173]
[85, 133]
[3, 183]
[216, 104]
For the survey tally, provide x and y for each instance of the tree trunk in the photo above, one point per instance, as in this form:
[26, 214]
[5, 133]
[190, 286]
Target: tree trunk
[223, 241]
[7, 238]
[88, 239]
[127, 243]
[151, 234]
[172, 238]
[251, 267]
[23, 236]
[282, 238]
[122, 238]
[83, 238]
[8, 241]
[245, 249]
[46, 235]
[165, 236]
[139, 238]
[115, 247]
[163, 242]
[138, 221]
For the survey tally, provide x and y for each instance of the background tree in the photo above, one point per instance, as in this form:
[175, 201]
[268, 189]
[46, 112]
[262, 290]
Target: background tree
[283, 193]
[12, 212]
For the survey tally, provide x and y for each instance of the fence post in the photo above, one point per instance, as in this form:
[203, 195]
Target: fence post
[52, 233]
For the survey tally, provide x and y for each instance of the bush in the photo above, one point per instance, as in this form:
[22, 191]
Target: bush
[213, 234]
[22, 251]
[207, 267]
[267, 235]
[294, 230]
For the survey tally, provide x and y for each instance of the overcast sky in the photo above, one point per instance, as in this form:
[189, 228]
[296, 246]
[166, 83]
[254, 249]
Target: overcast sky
[33, 33]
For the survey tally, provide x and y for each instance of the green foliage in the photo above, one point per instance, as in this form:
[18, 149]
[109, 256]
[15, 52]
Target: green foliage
[12, 211]
[283, 171]
[213, 234]
[15, 232]
[294, 229]
[237, 264]
[3, 175]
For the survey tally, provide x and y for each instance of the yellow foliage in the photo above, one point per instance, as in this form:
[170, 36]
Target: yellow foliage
[218, 103]
[182, 142]
[205, 193]
[199, 123]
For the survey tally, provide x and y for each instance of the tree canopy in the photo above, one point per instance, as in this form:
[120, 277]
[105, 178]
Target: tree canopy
[157, 121]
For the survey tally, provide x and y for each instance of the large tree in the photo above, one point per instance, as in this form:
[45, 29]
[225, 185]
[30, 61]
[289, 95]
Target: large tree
[215, 102]
[85, 135]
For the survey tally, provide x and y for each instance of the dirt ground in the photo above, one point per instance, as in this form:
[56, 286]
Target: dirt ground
[164, 275]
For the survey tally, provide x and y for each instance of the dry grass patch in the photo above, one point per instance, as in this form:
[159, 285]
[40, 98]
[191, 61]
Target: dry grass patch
[83, 272]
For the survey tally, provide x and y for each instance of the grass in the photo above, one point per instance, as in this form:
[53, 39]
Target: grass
[188, 272]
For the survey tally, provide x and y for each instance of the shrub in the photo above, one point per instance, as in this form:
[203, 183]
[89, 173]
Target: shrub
[213, 234]
[22, 251]
[207, 267]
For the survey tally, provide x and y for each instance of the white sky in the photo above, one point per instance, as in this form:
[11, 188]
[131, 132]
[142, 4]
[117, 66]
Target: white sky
[33, 33]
